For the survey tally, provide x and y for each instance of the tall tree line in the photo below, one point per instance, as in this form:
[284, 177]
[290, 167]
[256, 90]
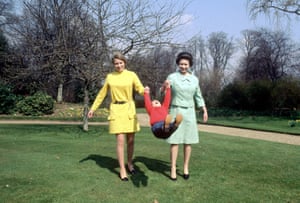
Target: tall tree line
[62, 46]
[60, 41]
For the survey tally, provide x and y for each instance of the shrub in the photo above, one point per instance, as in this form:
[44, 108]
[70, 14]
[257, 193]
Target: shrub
[259, 95]
[79, 97]
[7, 100]
[286, 94]
[36, 105]
[233, 96]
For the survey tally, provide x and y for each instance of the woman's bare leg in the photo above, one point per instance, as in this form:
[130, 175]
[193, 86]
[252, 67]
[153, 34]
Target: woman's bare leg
[120, 155]
[130, 150]
[173, 157]
[187, 156]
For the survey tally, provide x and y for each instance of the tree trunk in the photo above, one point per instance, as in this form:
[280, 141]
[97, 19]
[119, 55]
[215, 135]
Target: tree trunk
[86, 110]
[59, 93]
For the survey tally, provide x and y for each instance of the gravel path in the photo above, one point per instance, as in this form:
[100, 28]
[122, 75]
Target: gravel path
[144, 121]
[253, 134]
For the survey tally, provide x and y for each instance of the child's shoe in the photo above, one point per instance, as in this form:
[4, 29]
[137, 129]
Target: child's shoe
[168, 120]
[178, 120]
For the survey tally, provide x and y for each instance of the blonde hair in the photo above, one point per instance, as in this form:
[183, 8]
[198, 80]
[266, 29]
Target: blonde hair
[120, 56]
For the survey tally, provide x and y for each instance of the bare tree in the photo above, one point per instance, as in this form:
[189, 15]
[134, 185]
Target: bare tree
[6, 15]
[7, 18]
[198, 48]
[89, 64]
[279, 7]
[45, 32]
[128, 26]
[294, 68]
[221, 49]
[3, 54]
[154, 66]
[68, 40]
[267, 55]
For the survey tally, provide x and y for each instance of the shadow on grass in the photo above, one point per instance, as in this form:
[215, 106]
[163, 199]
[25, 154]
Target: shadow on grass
[154, 165]
[140, 178]
[104, 162]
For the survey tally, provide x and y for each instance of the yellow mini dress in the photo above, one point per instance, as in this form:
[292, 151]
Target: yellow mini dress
[122, 112]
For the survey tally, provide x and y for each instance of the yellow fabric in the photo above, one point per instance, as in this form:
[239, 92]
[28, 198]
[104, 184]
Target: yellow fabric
[122, 117]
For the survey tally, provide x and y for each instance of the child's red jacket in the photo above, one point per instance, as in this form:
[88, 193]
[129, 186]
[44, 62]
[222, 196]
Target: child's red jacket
[158, 113]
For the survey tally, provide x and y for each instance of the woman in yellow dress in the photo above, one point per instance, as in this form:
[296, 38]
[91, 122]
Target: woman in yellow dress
[122, 112]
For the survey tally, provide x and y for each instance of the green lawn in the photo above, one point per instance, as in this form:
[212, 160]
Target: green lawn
[64, 164]
[265, 123]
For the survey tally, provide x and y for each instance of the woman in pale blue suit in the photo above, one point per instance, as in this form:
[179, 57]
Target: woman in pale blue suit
[186, 96]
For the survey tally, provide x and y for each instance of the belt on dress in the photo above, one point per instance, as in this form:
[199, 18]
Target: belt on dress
[183, 107]
[120, 102]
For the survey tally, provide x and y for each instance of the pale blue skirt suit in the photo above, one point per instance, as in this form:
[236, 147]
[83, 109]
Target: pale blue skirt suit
[186, 96]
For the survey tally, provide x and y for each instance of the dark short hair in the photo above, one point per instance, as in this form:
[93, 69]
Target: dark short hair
[184, 55]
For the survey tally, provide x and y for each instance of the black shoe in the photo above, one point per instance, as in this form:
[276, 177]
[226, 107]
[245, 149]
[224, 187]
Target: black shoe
[186, 176]
[123, 179]
[132, 172]
[173, 179]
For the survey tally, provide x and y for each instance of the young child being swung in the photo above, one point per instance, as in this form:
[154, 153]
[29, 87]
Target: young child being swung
[160, 120]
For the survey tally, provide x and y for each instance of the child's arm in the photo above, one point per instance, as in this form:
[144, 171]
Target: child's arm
[167, 98]
[147, 99]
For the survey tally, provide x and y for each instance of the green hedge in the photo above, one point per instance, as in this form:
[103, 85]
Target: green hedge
[261, 96]
[36, 105]
[7, 100]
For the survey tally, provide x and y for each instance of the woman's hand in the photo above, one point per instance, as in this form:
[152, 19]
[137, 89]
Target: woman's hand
[167, 84]
[205, 115]
[147, 90]
[90, 114]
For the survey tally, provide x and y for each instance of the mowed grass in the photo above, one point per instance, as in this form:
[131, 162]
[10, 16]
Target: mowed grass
[264, 123]
[64, 164]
